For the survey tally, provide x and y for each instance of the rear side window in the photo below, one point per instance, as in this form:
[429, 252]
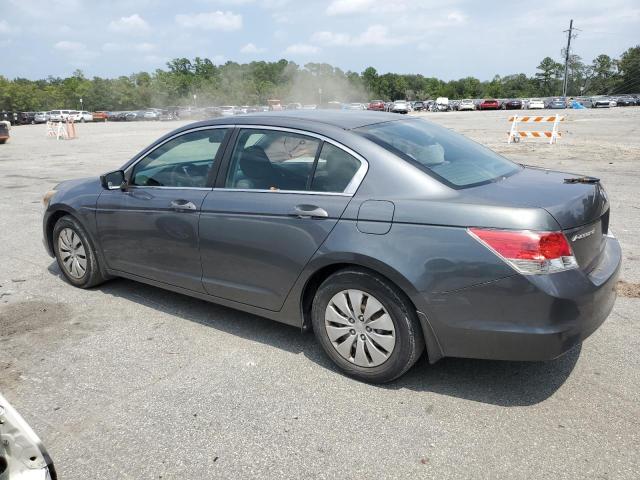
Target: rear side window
[455, 160]
[335, 170]
[272, 160]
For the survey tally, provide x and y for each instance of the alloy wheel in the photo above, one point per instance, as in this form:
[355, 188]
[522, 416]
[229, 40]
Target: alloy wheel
[72, 253]
[360, 328]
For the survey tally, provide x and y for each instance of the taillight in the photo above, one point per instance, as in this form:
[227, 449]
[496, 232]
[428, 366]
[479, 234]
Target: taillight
[528, 252]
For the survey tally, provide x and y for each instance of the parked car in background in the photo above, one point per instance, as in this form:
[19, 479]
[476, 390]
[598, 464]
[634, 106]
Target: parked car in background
[22, 454]
[100, 116]
[400, 106]
[310, 106]
[584, 101]
[441, 105]
[134, 116]
[151, 114]
[417, 106]
[168, 114]
[489, 104]
[383, 234]
[41, 117]
[82, 116]
[293, 106]
[625, 102]
[354, 106]
[228, 110]
[613, 102]
[58, 115]
[334, 105]
[600, 102]
[536, 104]
[377, 105]
[466, 104]
[26, 118]
[513, 104]
[557, 102]
[5, 126]
[275, 105]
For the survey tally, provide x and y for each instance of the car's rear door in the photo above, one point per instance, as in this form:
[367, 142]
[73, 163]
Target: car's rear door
[150, 228]
[274, 204]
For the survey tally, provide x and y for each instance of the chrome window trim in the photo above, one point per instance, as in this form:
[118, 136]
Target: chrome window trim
[145, 154]
[293, 192]
[159, 187]
[349, 191]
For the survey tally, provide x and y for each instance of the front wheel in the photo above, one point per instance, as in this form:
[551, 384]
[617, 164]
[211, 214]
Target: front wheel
[366, 326]
[75, 255]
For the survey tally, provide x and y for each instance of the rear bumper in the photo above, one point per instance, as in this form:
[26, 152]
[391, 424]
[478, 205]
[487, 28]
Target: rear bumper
[526, 317]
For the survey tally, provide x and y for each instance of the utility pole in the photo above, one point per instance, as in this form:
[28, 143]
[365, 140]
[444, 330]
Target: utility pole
[566, 59]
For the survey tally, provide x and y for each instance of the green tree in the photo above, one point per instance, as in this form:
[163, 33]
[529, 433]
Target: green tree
[549, 76]
[629, 67]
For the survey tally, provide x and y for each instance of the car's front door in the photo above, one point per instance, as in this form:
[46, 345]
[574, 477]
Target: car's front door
[280, 196]
[150, 227]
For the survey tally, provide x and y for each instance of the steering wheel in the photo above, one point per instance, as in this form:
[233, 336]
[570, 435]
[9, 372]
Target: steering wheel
[180, 175]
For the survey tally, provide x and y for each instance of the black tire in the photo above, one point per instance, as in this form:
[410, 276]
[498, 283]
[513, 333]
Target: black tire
[409, 337]
[92, 275]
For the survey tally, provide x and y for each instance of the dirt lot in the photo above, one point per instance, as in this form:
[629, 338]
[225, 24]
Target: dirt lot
[131, 382]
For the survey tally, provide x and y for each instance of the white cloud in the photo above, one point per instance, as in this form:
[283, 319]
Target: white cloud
[374, 35]
[301, 49]
[119, 47]
[111, 47]
[77, 53]
[344, 7]
[68, 46]
[145, 47]
[457, 17]
[134, 24]
[218, 20]
[331, 38]
[251, 48]
[5, 28]
[154, 59]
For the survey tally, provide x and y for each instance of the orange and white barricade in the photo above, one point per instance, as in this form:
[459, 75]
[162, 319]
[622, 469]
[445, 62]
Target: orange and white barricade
[515, 134]
[56, 130]
[71, 129]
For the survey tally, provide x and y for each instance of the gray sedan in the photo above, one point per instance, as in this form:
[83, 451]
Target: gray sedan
[386, 235]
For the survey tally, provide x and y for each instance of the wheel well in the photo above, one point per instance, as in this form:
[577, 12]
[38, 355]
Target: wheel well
[51, 223]
[321, 275]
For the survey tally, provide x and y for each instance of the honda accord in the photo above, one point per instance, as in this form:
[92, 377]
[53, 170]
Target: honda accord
[386, 235]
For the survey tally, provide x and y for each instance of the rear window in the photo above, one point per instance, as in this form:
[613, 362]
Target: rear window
[448, 156]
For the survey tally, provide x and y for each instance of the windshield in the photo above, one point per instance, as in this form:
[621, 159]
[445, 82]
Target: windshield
[450, 157]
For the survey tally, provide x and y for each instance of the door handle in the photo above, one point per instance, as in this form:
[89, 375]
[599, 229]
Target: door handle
[310, 211]
[183, 205]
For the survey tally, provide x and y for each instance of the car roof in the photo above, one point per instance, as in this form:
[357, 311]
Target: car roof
[346, 120]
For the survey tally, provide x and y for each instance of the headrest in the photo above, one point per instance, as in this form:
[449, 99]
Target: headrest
[255, 164]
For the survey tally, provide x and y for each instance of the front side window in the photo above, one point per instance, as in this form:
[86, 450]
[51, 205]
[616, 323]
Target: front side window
[334, 170]
[272, 160]
[184, 161]
[450, 157]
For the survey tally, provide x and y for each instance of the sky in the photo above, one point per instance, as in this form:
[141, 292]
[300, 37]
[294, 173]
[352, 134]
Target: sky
[448, 39]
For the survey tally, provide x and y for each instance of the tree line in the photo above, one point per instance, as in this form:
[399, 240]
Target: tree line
[199, 82]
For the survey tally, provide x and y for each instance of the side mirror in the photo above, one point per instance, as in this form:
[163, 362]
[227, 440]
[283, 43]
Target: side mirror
[113, 180]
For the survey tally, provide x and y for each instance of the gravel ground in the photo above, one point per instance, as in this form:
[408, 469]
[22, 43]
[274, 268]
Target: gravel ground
[132, 382]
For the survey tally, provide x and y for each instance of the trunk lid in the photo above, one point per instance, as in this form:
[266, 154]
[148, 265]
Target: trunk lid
[581, 209]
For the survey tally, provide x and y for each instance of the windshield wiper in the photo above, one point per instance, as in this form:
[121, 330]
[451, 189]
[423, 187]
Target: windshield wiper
[582, 180]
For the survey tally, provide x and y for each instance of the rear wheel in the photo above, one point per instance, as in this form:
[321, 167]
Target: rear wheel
[75, 255]
[366, 326]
